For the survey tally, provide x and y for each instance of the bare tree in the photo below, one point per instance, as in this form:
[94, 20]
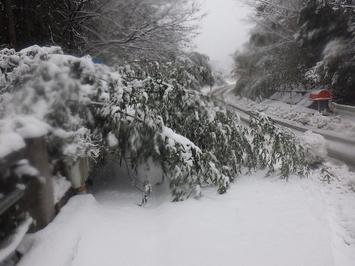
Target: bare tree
[106, 28]
[276, 19]
[120, 28]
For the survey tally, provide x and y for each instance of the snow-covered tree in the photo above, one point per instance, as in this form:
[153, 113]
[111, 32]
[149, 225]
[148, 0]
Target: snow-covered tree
[86, 109]
[114, 30]
[273, 54]
[293, 40]
[328, 32]
[142, 29]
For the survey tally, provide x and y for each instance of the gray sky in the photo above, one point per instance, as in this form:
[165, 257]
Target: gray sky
[223, 31]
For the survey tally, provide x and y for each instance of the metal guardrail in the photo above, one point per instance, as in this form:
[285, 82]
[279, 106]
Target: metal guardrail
[343, 109]
[10, 199]
[10, 243]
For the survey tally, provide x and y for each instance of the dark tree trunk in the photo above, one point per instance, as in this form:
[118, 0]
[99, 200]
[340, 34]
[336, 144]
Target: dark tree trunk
[2, 22]
[11, 33]
[28, 23]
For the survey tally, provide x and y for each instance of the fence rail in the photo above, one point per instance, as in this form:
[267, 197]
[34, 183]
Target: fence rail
[10, 199]
[36, 199]
[343, 109]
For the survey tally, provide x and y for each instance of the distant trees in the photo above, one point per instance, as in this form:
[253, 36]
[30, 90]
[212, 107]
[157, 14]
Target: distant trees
[116, 31]
[24, 22]
[143, 28]
[329, 32]
[271, 57]
[299, 43]
[104, 28]
[7, 19]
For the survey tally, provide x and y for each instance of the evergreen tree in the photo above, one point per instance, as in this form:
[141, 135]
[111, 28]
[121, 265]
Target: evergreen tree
[307, 44]
[327, 32]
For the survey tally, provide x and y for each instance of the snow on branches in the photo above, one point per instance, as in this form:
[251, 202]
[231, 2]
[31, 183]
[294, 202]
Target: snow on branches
[139, 111]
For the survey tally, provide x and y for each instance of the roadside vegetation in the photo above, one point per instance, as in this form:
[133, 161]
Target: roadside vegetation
[139, 112]
[299, 45]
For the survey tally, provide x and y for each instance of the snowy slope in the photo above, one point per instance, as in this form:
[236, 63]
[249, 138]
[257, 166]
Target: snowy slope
[260, 221]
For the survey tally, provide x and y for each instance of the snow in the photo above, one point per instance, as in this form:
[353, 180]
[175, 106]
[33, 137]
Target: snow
[296, 110]
[112, 140]
[14, 130]
[174, 137]
[31, 127]
[31, 111]
[339, 198]
[10, 142]
[15, 239]
[60, 186]
[334, 49]
[260, 221]
[24, 168]
[71, 149]
[316, 143]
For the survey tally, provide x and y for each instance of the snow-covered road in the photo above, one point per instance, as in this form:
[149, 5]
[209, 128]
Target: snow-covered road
[260, 221]
[338, 130]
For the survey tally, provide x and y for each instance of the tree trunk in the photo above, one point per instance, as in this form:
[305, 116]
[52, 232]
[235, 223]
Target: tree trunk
[2, 30]
[28, 23]
[11, 33]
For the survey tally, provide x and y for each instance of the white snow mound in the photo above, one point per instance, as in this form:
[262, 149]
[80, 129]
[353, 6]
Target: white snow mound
[316, 143]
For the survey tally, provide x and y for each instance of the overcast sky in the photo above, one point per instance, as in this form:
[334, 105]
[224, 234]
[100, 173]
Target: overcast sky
[223, 30]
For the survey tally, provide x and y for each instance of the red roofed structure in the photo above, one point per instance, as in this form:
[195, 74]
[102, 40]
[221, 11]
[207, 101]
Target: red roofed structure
[320, 95]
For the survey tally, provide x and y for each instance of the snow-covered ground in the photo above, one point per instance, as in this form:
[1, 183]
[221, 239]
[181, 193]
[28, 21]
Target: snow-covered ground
[260, 221]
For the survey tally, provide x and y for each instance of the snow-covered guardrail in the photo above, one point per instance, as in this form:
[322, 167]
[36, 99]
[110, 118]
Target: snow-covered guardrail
[9, 246]
[343, 109]
[340, 148]
[10, 199]
[32, 197]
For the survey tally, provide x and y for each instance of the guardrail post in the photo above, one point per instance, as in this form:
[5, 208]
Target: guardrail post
[38, 199]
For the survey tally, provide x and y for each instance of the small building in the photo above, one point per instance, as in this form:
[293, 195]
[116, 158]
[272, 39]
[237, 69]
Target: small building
[322, 97]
